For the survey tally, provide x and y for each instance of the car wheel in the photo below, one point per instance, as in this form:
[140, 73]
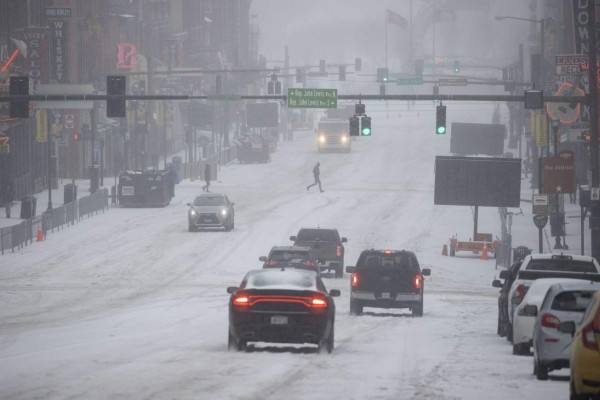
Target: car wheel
[509, 332]
[520, 349]
[339, 272]
[540, 370]
[328, 344]
[191, 228]
[499, 329]
[418, 310]
[355, 307]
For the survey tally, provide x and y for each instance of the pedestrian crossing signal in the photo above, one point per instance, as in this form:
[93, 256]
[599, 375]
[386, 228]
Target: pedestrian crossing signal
[440, 120]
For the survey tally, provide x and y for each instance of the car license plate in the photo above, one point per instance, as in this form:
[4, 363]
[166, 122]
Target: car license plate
[279, 320]
[207, 219]
[385, 295]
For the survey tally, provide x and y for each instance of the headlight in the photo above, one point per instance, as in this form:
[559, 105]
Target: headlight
[344, 139]
[223, 212]
[193, 212]
[322, 139]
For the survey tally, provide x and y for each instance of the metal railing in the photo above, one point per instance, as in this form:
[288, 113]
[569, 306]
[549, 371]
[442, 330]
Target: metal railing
[18, 236]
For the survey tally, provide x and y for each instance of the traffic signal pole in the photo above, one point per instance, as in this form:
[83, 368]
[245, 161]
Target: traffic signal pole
[593, 104]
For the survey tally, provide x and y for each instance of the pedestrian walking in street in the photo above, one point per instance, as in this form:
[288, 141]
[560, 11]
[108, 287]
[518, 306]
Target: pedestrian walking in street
[316, 173]
[206, 178]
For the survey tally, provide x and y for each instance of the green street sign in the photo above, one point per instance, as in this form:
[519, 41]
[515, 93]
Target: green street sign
[409, 80]
[312, 98]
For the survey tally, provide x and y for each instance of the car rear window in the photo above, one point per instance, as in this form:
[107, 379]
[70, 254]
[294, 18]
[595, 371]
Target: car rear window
[572, 300]
[289, 256]
[393, 261]
[209, 201]
[325, 235]
[293, 279]
[561, 265]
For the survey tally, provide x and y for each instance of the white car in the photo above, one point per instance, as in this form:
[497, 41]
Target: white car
[523, 322]
[544, 266]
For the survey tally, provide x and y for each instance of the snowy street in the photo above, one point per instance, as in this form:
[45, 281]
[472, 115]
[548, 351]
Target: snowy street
[130, 305]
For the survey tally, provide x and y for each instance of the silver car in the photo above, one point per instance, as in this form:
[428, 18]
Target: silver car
[211, 210]
[564, 301]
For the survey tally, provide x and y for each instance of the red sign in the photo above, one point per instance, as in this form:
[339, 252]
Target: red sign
[559, 173]
[126, 58]
[36, 62]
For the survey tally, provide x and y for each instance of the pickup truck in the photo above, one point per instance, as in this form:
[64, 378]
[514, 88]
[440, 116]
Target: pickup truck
[326, 245]
[537, 266]
[387, 279]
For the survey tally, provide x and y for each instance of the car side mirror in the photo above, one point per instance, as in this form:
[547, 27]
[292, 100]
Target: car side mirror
[189, 204]
[497, 283]
[530, 310]
[334, 293]
[350, 269]
[426, 271]
[567, 327]
[293, 238]
[232, 289]
[344, 240]
[503, 274]
[262, 258]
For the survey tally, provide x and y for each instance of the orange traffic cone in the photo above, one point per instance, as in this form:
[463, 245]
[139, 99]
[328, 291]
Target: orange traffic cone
[484, 252]
[40, 234]
[445, 250]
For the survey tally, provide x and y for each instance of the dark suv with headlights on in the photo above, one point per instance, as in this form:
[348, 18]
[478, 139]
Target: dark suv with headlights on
[211, 210]
[290, 257]
[387, 279]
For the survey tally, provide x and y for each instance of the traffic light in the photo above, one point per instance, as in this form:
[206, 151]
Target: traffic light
[357, 64]
[436, 92]
[382, 89]
[342, 73]
[274, 86]
[354, 126]
[359, 109]
[440, 120]
[19, 85]
[365, 128]
[75, 136]
[456, 66]
[383, 74]
[116, 85]
[300, 75]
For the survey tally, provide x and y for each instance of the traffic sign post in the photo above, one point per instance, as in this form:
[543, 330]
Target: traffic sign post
[540, 204]
[540, 221]
[312, 98]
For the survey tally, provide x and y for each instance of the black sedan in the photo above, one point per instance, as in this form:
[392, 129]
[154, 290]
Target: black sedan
[281, 306]
[211, 210]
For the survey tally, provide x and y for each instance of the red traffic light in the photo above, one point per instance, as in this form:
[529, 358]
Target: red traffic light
[75, 136]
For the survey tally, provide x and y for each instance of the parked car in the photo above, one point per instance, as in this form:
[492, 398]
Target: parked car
[546, 266]
[327, 247]
[509, 275]
[524, 320]
[290, 257]
[585, 352]
[281, 306]
[565, 301]
[211, 210]
[387, 279]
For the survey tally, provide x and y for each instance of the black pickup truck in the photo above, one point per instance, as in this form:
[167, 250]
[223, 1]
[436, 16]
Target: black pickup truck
[326, 245]
[387, 279]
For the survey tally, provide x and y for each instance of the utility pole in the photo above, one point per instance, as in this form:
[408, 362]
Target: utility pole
[593, 90]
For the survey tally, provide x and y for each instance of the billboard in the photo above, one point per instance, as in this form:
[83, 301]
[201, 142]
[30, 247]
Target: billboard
[477, 181]
[262, 115]
[485, 139]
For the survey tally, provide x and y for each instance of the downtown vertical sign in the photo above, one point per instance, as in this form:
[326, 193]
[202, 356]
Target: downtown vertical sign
[58, 23]
[36, 62]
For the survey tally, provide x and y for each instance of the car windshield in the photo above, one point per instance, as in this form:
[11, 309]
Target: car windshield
[325, 235]
[572, 300]
[289, 256]
[561, 265]
[401, 262]
[210, 201]
[294, 279]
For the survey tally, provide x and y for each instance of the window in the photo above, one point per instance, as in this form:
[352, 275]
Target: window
[400, 262]
[289, 255]
[573, 300]
[210, 201]
[291, 278]
[324, 235]
[561, 265]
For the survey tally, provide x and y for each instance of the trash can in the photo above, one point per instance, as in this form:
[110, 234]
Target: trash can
[28, 206]
[70, 193]
[520, 252]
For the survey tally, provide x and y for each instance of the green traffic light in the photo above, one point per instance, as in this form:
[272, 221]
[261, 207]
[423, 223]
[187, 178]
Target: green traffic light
[441, 130]
[366, 131]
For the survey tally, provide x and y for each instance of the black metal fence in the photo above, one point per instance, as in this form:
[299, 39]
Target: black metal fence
[20, 235]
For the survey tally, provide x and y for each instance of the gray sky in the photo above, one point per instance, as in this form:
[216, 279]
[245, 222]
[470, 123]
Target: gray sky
[340, 30]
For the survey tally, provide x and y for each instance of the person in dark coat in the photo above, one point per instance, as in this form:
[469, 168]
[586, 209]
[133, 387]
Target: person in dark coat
[9, 196]
[316, 173]
[206, 177]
